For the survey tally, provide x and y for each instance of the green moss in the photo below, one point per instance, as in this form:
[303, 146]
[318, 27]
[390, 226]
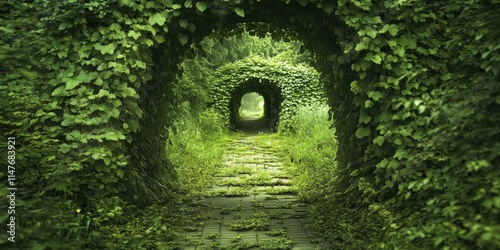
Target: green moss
[257, 221]
[235, 192]
[280, 243]
[281, 191]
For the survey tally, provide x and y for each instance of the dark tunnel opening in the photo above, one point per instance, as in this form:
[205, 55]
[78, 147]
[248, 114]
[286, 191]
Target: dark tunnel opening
[268, 121]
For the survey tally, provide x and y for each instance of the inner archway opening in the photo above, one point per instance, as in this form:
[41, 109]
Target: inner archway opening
[252, 107]
[255, 107]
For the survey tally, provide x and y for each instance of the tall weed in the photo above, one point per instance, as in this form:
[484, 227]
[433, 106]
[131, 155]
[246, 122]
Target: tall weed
[312, 147]
[194, 147]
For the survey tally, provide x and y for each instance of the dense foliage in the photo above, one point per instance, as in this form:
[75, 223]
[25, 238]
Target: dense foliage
[87, 89]
[213, 52]
[298, 84]
[194, 148]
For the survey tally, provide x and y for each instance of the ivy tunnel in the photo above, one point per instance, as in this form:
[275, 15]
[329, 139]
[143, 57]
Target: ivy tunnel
[284, 87]
[272, 102]
[102, 96]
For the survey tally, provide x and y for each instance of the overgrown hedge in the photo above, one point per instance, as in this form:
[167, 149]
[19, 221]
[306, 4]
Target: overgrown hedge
[298, 84]
[415, 92]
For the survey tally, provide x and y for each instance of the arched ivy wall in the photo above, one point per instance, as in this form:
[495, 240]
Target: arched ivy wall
[272, 101]
[285, 86]
[103, 104]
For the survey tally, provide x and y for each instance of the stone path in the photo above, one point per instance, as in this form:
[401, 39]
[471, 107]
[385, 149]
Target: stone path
[252, 205]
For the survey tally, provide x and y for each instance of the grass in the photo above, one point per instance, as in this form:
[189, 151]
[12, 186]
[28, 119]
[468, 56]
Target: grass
[281, 191]
[226, 210]
[276, 232]
[258, 221]
[280, 243]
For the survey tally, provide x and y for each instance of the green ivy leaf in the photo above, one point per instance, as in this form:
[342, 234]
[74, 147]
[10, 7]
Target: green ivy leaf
[372, 33]
[140, 64]
[379, 140]
[360, 46]
[64, 148]
[328, 8]
[127, 91]
[57, 91]
[412, 43]
[112, 136]
[115, 113]
[364, 118]
[201, 6]
[385, 29]
[148, 42]
[362, 132]
[421, 109]
[304, 2]
[157, 19]
[150, 5]
[240, 12]
[375, 95]
[376, 59]
[400, 154]
[446, 77]
[398, 142]
[368, 104]
[192, 28]
[107, 161]
[159, 39]
[129, 3]
[383, 163]
[183, 23]
[400, 51]
[393, 29]
[72, 83]
[134, 34]
[393, 164]
[85, 77]
[183, 39]
[105, 49]
[167, 3]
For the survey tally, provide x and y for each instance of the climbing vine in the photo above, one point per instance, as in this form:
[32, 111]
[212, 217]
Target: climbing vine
[413, 86]
[298, 84]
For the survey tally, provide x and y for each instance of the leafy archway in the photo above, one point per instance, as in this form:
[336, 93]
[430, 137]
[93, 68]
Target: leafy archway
[90, 100]
[285, 87]
[271, 95]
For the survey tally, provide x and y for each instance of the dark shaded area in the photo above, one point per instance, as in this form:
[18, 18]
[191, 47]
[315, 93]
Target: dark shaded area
[255, 126]
[272, 101]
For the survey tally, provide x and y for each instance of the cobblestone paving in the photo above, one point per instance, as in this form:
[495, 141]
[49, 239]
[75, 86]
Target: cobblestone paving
[253, 205]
